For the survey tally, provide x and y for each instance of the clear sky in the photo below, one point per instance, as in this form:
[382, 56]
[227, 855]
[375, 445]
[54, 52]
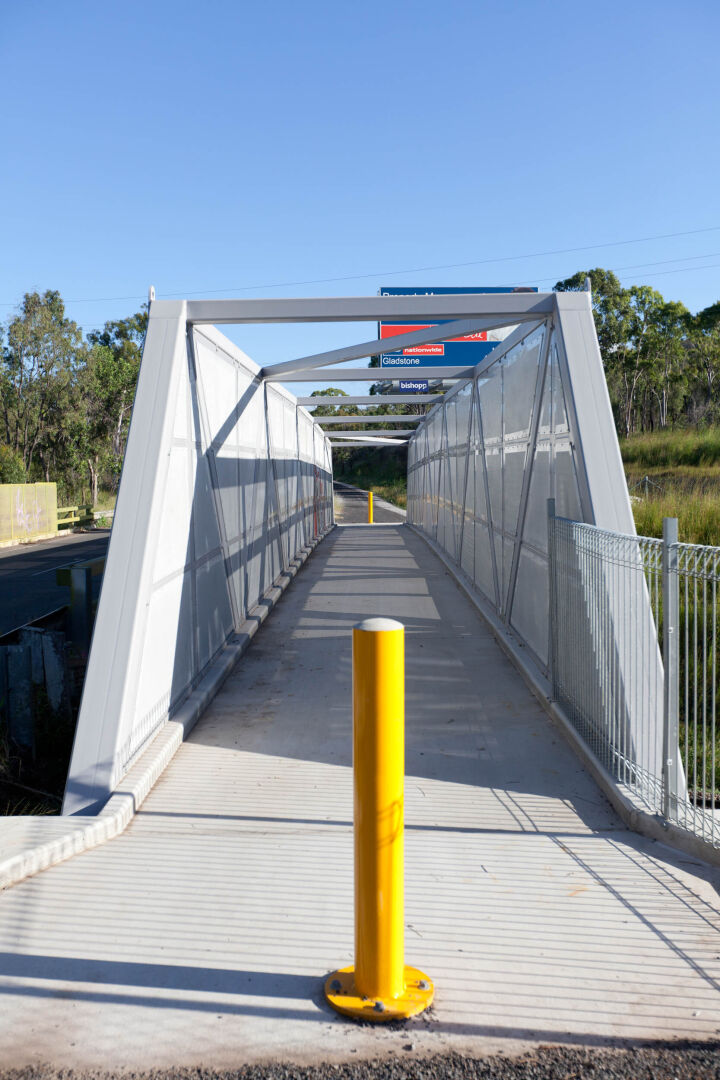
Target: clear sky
[229, 148]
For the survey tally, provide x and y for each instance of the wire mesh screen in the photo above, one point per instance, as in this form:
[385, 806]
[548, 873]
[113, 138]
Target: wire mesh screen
[694, 573]
[634, 664]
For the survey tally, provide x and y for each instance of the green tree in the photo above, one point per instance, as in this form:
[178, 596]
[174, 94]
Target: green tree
[666, 364]
[114, 360]
[610, 304]
[709, 318]
[612, 313]
[331, 410]
[703, 356]
[105, 392]
[11, 467]
[643, 346]
[38, 367]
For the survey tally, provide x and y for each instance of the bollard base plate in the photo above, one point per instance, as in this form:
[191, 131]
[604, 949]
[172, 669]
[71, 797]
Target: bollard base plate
[343, 995]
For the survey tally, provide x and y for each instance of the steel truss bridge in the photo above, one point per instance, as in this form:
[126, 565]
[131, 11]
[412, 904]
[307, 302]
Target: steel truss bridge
[198, 885]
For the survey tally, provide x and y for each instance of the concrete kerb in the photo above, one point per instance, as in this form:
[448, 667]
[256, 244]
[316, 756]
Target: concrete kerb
[82, 834]
[27, 541]
[634, 816]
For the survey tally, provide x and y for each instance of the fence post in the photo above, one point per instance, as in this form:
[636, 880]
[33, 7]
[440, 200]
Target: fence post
[551, 593]
[671, 664]
[81, 606]
[20, 698]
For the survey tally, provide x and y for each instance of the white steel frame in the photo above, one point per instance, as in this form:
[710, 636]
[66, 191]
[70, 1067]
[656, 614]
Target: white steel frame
[369, 399]
[359, 418]
[110, 733]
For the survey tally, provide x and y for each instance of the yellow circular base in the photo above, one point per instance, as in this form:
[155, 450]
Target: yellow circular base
[343, 995]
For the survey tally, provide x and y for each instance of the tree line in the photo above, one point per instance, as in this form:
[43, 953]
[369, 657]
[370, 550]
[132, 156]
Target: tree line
[66, 400]
[662, 363]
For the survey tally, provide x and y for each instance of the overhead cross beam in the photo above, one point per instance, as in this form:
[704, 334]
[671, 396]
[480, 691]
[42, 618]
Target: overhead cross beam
[360, 419]
[512, 307]
[370, 434]
[426, 336]
[389, 374]
[386, 374]
[374, 441]
[370, 399]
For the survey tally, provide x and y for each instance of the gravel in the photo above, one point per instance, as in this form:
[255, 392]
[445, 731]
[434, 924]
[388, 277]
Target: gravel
[667, 1061]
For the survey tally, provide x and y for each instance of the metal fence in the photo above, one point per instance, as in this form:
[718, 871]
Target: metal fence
[618, 603]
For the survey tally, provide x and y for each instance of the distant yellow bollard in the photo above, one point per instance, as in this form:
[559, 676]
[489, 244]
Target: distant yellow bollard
[370, 507]
[379, 986]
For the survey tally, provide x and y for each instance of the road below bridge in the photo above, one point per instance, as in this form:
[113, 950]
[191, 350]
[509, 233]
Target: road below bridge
[202, 934]
[27, 575]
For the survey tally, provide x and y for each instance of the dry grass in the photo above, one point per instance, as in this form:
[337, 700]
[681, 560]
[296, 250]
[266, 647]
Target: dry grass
[395, 493]
[675, 474]
[698, 513]
[670, 449]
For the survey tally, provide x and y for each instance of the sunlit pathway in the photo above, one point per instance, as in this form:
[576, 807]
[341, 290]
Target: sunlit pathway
[203, 933]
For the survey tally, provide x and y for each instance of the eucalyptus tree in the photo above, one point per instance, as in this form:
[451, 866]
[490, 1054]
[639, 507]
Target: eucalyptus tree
[42, 352]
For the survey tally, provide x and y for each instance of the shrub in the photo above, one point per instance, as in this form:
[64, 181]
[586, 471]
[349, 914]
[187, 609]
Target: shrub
[11, 467]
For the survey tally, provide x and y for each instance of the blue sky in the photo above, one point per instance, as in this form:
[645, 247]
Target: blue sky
[215, 147]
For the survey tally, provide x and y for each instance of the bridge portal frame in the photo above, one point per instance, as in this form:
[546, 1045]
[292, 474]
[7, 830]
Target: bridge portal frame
[99, 759]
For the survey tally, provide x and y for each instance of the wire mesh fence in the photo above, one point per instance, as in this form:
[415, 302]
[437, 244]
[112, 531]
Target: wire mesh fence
[695, 575]
[634, 663]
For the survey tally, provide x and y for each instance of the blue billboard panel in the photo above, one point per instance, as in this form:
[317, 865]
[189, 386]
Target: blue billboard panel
[416, 386]
[464, 351]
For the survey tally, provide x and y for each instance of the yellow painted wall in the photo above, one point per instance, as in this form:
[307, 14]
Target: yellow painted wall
[27, 512]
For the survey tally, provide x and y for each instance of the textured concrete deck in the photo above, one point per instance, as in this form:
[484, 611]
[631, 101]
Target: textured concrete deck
[202, 934]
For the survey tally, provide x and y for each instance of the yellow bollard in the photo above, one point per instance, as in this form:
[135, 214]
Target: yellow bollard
[370, 507]
[379, 986]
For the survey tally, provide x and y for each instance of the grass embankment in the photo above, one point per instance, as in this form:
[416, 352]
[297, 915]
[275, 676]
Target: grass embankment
[672, 449]
[395, 493]
[675, 474]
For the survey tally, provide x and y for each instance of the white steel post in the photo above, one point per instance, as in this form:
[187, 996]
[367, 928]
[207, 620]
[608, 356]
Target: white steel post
[551, 593]
[671, 662]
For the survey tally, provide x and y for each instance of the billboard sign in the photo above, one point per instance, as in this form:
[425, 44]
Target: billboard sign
[414, 386]
[456, 352]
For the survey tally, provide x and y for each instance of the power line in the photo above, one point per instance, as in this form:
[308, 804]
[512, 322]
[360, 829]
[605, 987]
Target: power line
[659, 273]
[416, 270]
[456, 266]
[665, 262]
[554, 278]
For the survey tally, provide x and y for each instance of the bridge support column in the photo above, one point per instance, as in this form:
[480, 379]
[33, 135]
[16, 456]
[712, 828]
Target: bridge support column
[379, 986]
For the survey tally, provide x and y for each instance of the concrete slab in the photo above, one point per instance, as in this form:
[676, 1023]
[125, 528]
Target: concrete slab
[202, 934]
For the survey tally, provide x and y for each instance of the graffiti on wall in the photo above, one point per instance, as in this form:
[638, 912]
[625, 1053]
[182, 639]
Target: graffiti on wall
[28, 513]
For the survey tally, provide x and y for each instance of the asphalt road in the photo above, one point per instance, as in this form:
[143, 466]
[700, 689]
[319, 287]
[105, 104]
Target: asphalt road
[351, 507]
[27, 575]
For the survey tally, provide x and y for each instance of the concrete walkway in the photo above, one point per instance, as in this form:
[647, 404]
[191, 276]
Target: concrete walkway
[202, 934]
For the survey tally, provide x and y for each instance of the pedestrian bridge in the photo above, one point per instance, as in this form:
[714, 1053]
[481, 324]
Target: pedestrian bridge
[199, 885]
